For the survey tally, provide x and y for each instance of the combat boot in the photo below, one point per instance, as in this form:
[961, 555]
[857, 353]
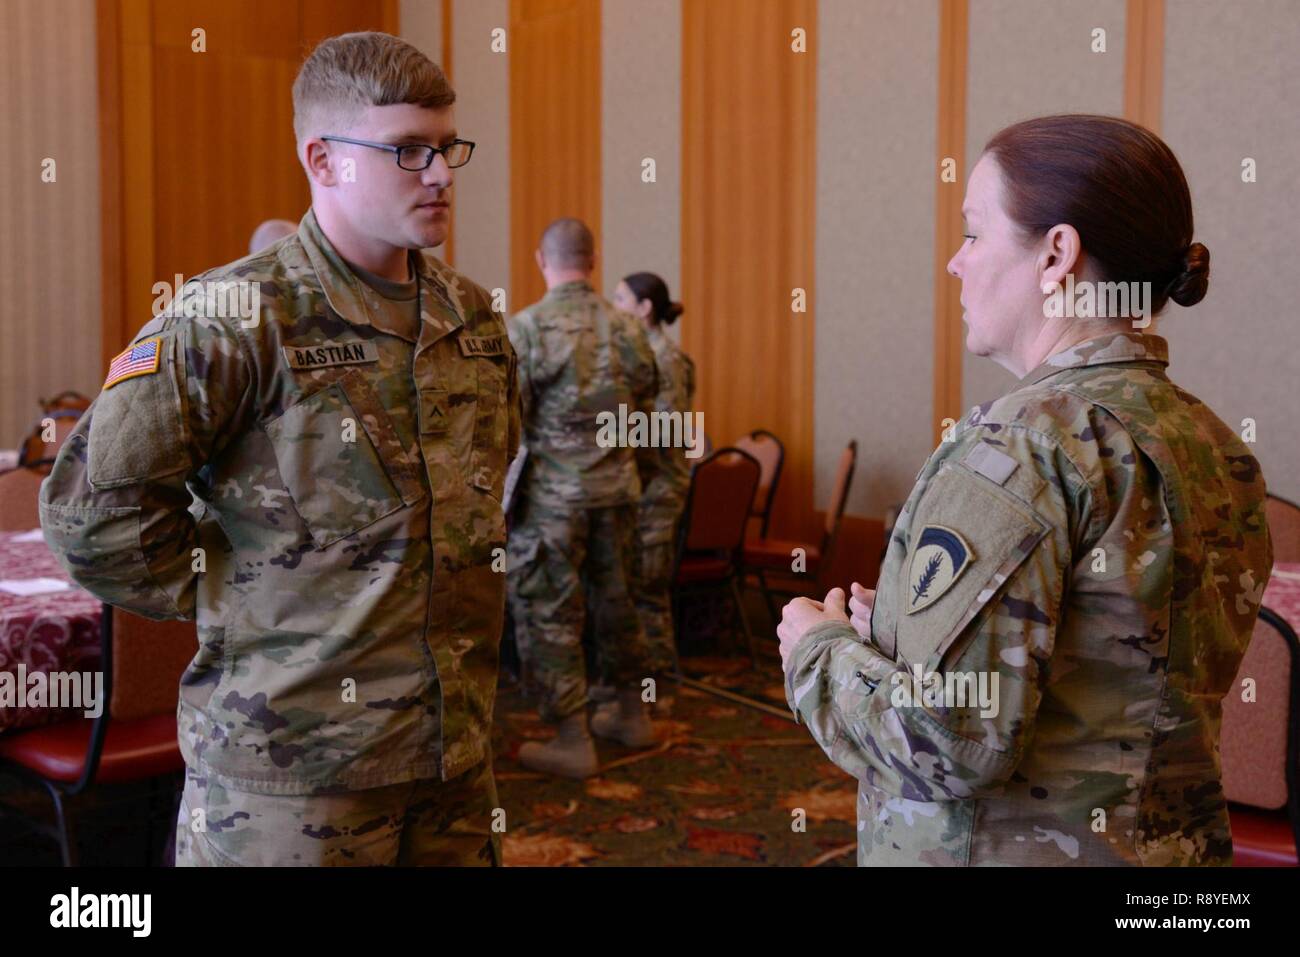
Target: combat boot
[570, 754]
[629, 723]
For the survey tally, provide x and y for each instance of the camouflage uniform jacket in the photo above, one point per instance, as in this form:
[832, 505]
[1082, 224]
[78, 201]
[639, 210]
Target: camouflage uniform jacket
[580, 357]
[343, 485]
[1095, 541]
[665, 494]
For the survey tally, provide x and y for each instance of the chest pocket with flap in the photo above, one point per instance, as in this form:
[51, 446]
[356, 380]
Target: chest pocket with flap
[328, 447]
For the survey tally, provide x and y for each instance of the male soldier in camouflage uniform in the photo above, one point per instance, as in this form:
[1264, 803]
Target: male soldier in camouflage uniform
[344, 452]
[1090, 548]
[572, 549]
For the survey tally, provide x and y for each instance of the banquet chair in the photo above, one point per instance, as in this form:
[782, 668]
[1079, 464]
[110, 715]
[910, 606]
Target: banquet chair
[20, 491]
[1283, 527]
[770, 453]
[64, 411]
[771, 558]
[1260, 747]
[132, 740]
[712, 534]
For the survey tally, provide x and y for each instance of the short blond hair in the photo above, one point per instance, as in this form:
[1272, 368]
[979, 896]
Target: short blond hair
[347, 73]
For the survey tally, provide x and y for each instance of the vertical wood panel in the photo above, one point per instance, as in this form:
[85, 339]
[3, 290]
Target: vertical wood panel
[449, 247]
[198, 147]
[1144, 62]
[748, 201]
[554, 50]
[109, 48]
[950, 142]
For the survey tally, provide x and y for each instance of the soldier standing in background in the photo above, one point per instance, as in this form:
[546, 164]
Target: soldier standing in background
[645, 296]
[1091, 548]
[344, 450]
[572, 548]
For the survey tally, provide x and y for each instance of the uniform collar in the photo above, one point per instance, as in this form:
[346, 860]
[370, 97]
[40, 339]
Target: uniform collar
[569, 288]
[440, 293]
[1115, 347]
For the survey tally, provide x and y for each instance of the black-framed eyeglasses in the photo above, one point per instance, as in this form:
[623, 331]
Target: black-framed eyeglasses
[418, 157]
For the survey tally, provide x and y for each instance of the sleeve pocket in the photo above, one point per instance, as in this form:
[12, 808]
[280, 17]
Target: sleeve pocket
[137, 427]
[1002, 531]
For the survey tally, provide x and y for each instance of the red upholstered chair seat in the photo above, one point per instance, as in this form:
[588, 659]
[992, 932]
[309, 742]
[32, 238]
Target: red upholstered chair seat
[778, 554]
[133, 750]
[1261, 838]
[702, 568]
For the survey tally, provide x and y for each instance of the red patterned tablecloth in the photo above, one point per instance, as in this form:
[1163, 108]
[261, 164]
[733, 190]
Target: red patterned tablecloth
[1283, 592]
[57, 631]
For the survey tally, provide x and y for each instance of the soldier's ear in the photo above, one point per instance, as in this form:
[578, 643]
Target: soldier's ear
[539, 259]
[317, 162]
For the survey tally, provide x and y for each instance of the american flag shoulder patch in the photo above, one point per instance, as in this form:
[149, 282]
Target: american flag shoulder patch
[139, 358]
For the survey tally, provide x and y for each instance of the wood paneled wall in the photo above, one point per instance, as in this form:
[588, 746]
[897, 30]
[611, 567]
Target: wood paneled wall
[554, 50]
[197, 147]
[748, 181]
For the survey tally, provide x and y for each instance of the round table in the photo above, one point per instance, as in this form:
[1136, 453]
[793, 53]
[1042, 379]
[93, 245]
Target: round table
[55, 631]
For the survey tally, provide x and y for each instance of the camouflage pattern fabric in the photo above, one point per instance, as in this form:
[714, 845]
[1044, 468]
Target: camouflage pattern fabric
[579, 357]
[662, 504]
[568, 565]
[665, 494]
[652, 585]
[427, 823]
[1095, 541]
[324, 496]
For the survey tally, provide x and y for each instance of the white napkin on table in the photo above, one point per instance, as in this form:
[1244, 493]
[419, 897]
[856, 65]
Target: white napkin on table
[33, 586]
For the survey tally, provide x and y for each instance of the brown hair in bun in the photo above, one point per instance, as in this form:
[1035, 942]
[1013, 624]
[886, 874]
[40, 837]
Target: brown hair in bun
[646, 285]
[1120, 186]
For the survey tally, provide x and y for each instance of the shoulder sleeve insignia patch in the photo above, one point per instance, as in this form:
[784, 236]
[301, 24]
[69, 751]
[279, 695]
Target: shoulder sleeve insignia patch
[940, 556]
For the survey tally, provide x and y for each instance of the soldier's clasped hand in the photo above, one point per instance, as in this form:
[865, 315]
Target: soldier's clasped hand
[802, 614]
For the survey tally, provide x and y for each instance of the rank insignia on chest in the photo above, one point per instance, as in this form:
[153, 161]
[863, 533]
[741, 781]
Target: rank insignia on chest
[139, 358]
[941, 555]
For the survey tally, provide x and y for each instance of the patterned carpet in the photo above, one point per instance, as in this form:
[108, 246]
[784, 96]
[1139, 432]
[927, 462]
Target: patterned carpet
[720, 788]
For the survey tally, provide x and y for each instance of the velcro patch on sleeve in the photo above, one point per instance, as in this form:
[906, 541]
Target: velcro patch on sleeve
[137, 359]
[992, 464]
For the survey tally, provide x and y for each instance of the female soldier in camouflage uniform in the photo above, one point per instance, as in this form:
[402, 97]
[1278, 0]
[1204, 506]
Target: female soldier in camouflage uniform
[645, 295]
[1085, 555]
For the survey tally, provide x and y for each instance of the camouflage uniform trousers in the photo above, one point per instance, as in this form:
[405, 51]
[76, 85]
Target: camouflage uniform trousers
[567, 565]
[652, 584]
[429, 823]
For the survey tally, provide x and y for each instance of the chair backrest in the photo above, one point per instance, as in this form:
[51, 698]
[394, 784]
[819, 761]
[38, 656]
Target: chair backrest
[1283, 528]
[147, 660]
[1260, 741]
[840, 490]
[143, 661]
[835, 508]
[37, 453]
[770, 453]
[20, 491]
[720, 499]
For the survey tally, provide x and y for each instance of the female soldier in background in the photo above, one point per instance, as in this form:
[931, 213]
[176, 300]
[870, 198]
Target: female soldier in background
[1085, 556]
[645, 295]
